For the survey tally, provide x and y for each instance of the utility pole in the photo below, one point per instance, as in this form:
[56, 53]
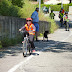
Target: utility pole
[39, 4]
[61, 3]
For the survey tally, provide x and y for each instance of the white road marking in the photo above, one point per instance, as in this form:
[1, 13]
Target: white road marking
[21, 63]
[18, 65]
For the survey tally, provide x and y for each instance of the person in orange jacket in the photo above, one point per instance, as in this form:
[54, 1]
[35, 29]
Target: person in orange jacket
[30, 28]
[62, 10]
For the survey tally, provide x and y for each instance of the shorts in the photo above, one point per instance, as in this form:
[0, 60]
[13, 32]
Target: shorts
[36, 25]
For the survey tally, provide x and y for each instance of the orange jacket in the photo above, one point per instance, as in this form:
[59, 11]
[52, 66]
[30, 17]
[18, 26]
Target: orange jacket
[30, 29]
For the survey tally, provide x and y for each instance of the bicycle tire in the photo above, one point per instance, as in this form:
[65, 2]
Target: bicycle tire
[25, 48]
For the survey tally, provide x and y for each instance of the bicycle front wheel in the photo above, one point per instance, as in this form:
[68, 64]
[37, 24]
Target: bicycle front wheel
[25, 48]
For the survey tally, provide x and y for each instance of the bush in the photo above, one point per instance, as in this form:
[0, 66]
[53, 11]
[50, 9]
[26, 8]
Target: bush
[57, 7]
[27, 9]
[7, 9]
[53, 23]
[70, 4]
[19, 3]
[10, 42]
[59, 4]
[41, 1]
[0, 44]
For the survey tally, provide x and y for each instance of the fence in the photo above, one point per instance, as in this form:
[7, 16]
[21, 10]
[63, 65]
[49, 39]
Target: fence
[9, 26]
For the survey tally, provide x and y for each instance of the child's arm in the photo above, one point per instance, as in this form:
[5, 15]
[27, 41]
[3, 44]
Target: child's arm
[33, 28]
[22, 28]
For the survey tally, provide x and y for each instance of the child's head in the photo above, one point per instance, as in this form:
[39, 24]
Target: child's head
[29, 21]
[51, 11]
[62, 8]
[66, 13]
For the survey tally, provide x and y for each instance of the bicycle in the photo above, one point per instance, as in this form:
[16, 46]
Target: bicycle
[26, 46]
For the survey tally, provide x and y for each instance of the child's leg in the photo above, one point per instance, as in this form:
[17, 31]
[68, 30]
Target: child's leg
[66, 25]
[31, 41]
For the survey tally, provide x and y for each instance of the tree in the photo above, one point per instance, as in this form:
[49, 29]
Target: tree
[41, 1]
[19, 3]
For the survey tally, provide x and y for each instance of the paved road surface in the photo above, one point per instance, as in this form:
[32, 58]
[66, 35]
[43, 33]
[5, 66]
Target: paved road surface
[54, 56]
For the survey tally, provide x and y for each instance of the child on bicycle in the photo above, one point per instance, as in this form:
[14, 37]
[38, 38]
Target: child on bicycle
[30, 28]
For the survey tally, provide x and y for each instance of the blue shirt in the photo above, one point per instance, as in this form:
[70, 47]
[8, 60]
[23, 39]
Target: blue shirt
[35, 16]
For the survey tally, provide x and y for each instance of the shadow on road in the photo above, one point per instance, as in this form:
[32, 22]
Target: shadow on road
[59, 48]
[10, 51]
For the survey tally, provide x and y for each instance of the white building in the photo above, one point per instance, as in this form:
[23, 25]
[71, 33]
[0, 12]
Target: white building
[56, 1]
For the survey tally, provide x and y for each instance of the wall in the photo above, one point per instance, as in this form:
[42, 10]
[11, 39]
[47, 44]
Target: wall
[9, 26]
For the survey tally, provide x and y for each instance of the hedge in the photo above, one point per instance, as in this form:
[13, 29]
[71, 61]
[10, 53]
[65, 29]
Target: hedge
[8, 9]
[57, 7]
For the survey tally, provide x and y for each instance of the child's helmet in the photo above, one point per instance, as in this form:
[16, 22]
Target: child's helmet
[29, 19]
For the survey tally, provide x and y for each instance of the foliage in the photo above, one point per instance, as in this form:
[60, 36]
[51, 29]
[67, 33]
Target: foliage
[19, 3]
[53, 23]
[41, 1]
[0, 44]
[70, 4]
[7, 9]
[27, 9]
[9, 42]
[57, 7]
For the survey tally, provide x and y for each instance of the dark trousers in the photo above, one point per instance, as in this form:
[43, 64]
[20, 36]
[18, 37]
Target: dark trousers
[66, 25]
[61, 21]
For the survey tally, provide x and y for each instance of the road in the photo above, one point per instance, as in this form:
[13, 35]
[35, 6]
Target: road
[54, 55]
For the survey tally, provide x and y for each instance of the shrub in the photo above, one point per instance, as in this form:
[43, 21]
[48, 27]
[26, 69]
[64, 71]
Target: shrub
[0, 44]
[9, 42]
[41, 1]
[53, 23]
[70, 4]
[27, 9]
[57, 7]
[19, 3]
[7, 9]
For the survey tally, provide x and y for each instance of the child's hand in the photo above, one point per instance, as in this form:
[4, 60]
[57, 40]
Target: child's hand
[33, 30]
[19, 29]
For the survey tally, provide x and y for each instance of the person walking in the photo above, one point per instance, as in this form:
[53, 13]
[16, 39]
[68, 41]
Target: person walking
[66, 20]
[35, 19]
[62, 10]
[61, 17]
[52, 14]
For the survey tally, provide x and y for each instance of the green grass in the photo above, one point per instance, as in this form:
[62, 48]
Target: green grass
[0, 44]
[5, 42]
[54, 26]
